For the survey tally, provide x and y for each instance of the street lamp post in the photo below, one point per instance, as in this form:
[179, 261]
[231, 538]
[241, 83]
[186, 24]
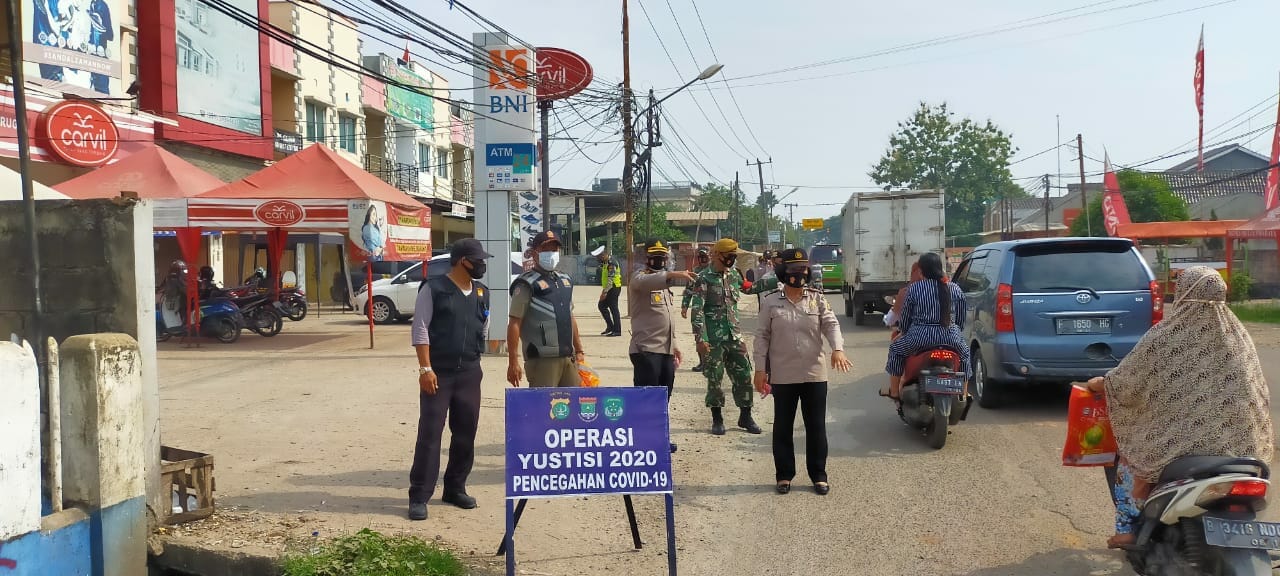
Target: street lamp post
[653, 131]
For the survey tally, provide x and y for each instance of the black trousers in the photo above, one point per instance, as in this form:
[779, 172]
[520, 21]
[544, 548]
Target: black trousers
[609, 309]
[654, 369]
[812, 399]
[457, 397]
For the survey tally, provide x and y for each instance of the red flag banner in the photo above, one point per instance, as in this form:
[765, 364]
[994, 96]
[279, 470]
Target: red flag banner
[1114, 210]
[1273, 176]
[1199, 84]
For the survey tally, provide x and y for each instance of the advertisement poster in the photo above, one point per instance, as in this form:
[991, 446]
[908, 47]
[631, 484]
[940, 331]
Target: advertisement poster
[74, 45]
[529, 211]
[219, 73]
[580, 441]
[386, 232]
[408, 105]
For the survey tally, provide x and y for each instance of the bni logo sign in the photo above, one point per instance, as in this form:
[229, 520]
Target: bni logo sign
[509, 69]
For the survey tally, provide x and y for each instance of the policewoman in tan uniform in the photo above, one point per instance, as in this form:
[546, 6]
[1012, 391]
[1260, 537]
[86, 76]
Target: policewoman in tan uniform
[651, 305]
[791, 363]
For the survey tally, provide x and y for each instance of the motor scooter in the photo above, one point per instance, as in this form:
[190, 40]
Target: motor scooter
[1201, 518]
[934, 392]
[220, 319]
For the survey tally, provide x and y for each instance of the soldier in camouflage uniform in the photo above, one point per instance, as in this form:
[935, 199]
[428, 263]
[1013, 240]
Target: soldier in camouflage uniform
[714, 299]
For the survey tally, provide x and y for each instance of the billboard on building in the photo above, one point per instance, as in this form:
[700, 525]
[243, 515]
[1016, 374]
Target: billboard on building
[414, 107]
[382, 231]
[73, 46]
[219, 65]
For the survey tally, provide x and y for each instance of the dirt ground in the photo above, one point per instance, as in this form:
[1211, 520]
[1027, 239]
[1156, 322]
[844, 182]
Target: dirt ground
[313, 436]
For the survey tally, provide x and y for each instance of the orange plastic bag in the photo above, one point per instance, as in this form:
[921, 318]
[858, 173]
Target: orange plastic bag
[1090, 441]
[590, 378]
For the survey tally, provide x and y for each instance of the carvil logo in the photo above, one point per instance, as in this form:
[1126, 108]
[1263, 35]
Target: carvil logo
[79, 133]
[587, 408]
[559, 406]
[279, 213]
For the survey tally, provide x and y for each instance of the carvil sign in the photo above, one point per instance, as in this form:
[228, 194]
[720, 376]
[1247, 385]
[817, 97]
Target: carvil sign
[561, 73]
[280, 213]
[79, 133]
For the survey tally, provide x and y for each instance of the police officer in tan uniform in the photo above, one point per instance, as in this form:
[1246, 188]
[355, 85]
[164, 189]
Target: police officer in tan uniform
[651, 303]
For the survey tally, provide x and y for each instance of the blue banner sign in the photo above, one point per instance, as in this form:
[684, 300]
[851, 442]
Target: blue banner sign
[580, 441]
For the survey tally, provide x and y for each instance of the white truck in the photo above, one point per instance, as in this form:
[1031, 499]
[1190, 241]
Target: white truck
[883, 234]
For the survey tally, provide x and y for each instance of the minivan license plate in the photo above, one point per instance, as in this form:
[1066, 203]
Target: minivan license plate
[1084, 325]
[1241, 533]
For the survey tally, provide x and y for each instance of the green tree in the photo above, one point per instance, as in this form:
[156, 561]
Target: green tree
[969, 160]
[746, 217]
[662, 229]
[1148, 198]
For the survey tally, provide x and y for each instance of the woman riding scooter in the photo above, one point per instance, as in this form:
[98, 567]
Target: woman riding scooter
[1192, 386]
[933, 313]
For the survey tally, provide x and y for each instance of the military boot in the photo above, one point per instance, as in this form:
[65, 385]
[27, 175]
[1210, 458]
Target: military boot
[746, 422]
[717, 422]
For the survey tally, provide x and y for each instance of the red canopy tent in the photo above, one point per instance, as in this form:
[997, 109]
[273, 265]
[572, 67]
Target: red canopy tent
[152, 173]
[316, 190]
[1178, 229]
[1263, 227]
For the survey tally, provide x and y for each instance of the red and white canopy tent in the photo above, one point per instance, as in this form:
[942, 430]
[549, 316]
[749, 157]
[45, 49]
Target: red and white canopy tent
[1263, 227]
[312, 191]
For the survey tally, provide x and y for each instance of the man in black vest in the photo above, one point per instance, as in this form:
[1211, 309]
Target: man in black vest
[450, 328]
[541, 326]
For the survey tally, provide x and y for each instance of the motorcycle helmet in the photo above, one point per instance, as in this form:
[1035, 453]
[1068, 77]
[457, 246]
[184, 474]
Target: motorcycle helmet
[206, 273]
[260, 272]
[177, 267]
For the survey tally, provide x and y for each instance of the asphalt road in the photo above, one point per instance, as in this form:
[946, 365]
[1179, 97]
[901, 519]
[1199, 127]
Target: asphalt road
[313, 422]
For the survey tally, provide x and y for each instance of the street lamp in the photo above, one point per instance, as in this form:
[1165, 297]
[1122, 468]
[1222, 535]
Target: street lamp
[647, 155]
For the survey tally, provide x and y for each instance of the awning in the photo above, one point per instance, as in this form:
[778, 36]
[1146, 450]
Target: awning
[1180, 229]
[315, 173]
[1265, 226]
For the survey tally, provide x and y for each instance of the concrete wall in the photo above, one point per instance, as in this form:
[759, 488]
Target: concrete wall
[104, 456]
[97, 275]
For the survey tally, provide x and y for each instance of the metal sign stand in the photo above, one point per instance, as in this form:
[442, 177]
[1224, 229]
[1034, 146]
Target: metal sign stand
[515, 509]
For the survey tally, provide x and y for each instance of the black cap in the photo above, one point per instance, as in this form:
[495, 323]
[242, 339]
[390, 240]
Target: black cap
[543, 238]
[653, 247]
[793, 255]
[468, 248]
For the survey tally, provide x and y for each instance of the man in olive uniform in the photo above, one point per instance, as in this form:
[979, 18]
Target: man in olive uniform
[714, 301]
[542, 314]
[654, 353]
[704, 261]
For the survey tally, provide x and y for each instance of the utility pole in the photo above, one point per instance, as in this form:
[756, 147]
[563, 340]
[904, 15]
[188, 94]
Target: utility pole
[544, 109]
[737, 208]
[1047, 206]
[791, 220]
[652, 141]
[768, 208]
[628, 137]
[1084, 196]
[28, 191]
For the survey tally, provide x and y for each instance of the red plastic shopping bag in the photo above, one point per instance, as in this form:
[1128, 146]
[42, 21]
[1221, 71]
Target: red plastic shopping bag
[1090, 441]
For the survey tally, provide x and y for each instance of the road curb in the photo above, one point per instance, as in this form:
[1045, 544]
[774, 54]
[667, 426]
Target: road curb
[197, 560]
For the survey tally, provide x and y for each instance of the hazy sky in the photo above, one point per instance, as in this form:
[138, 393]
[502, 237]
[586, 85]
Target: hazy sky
[1124, 85]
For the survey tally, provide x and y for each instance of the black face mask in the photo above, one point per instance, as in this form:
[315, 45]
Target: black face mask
[729, 260]
[478, 268]
[796, 279]
[657, 263]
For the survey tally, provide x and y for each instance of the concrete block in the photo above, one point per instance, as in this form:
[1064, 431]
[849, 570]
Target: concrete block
[103, 431]
[19, 442]
[104, 445]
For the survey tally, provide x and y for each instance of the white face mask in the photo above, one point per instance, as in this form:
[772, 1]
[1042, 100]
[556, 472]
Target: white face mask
[548, 260]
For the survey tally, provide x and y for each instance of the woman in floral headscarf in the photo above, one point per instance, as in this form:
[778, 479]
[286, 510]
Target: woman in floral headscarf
[1192, 386]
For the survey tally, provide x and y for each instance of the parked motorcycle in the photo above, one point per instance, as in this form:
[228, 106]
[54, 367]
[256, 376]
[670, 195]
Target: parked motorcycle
[220, 319]
[1201, 519]
[261, 315]
[293, 304]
